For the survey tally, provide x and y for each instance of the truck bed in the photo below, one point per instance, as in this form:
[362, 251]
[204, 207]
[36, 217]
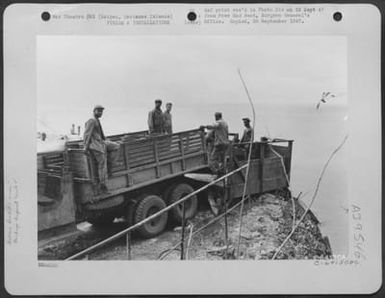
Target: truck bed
[143, 160]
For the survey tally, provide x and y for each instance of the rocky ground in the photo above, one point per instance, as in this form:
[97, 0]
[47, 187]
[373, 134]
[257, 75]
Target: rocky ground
[267, 220]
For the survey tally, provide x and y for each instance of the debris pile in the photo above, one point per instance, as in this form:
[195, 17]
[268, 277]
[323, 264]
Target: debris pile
[266, 223]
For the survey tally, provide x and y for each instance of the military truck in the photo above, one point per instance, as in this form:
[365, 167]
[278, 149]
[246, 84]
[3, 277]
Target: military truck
[151, 172]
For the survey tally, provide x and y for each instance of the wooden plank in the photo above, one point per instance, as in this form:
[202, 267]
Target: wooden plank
[169, 149]
[194, 147]
[53, 161]
[262, 161]
[134, 149]
[182, 153]
[127, 164]
[143, 184]
[157, 170]
[140, 152]
[170, 152]
[141, 156]
[167, 146]
[170, 155]
[54, 167]
[141, 160]
[152, 165]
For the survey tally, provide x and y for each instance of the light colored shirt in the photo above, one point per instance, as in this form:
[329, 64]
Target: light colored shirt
[247, 133]
[94, 136]
[155, 121]
[167, 120]
[221, 132]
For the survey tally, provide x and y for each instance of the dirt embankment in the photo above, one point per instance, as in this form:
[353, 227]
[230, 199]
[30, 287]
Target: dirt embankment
[267, 221]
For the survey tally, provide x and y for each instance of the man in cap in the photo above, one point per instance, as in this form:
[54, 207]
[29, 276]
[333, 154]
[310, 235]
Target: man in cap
[221, 141]
[248, 131]
[167, 119]
[95, 142]
[247, 136]
[155, 119]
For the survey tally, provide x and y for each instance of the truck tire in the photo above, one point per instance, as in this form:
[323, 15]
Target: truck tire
[191, 205]
[146, 207]
[214, 203]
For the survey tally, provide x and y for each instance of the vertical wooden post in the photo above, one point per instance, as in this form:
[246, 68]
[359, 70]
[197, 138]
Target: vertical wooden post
[262, 161]
[288, 160]
[204, 148]
[126, 162]
[183, 228]
[181, 146]
[128, 245]
[225, 197]
[188, 142]
[155, 148]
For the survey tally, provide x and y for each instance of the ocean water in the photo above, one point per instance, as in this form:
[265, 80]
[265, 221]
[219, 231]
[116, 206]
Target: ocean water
[316, 133]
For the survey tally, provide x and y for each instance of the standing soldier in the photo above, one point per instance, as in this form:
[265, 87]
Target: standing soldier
[95, 142]
[248, 131]
[73, 129]
[248, 135]
[221, 142]
[167, 118]
[155, 119]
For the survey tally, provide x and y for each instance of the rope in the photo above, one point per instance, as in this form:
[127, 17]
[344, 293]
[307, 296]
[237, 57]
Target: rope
[168, 251]
[313, 198]
[293, 205]
[189, 239]
[282, 163]
[248, 162]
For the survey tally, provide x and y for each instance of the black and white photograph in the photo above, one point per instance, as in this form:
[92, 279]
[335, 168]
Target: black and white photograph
[192, 149]
[247, 127]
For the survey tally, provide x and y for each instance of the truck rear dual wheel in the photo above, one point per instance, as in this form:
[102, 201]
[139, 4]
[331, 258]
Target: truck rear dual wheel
[146, 207]
[191, 205]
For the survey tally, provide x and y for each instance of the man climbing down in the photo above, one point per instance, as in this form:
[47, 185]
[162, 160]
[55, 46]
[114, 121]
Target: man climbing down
[95, 142]
[221, 142]
[247, 135]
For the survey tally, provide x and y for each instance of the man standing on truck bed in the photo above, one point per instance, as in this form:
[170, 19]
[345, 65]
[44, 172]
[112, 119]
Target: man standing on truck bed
[221, 142]
[155, 119]
[167, 118]
[95, 142]
[248, 134]
[248, 131]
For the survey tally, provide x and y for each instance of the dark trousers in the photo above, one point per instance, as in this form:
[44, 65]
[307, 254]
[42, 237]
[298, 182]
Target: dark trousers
[217, 158]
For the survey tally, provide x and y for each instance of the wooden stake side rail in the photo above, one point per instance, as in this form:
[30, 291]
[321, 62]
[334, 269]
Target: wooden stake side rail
[137, 186]
[139, 224]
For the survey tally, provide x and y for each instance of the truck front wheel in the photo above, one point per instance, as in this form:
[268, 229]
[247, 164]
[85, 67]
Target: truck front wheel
[146, 207]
